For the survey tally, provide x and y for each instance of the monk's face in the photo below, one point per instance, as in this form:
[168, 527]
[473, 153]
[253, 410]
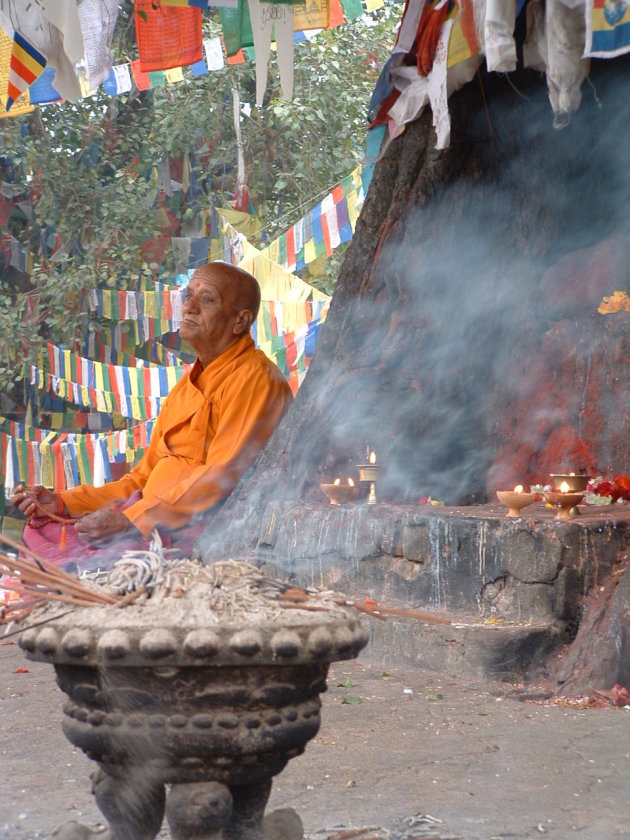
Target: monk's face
[211, 321]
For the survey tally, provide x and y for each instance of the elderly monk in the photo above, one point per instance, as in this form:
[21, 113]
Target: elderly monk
[209, 431]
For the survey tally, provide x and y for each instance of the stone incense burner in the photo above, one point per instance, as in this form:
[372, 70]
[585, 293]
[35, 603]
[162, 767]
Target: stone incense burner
[209, 687]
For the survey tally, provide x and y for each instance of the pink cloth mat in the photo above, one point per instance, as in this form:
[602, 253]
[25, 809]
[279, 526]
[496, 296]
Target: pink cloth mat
[79, 552]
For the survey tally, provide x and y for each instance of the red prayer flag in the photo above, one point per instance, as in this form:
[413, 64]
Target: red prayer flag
[291, 355]
[167, 36]
[142, 80]
[336, 17]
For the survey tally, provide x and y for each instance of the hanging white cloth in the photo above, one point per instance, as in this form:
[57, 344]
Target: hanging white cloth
[266, 17]
[566, 69]
[499, 26]
[419, 91]
[9, 476]
[98, 468]
[98, 19]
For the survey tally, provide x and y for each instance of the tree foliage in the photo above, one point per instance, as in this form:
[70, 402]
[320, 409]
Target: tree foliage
[87, 166]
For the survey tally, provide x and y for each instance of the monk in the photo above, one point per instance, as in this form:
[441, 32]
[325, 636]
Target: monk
[208, 432]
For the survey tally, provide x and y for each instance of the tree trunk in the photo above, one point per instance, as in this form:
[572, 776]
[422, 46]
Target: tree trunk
[463, 333]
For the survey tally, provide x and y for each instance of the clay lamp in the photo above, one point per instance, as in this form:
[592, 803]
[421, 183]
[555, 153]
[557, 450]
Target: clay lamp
[575, 483]
[370, 472]
[564, 500]
[341, 494]
[515, 500]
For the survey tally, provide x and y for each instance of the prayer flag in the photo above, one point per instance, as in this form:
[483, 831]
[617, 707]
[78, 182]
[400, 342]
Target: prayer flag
[26, 64]
[167, 37]
[214, 53]
[607, 28]
[42, 90]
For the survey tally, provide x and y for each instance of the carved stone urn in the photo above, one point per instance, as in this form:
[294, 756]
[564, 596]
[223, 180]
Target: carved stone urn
[191, 701]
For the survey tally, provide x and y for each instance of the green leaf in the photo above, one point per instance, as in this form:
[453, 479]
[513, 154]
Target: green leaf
[351, 700]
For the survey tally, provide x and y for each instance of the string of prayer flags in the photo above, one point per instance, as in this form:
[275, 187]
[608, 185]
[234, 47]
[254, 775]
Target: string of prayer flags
[60, 460]
[200, 4]
[167, 36]
[328, 225]
[293, 351]
[130, 391]
[164, 304]
[236, 23]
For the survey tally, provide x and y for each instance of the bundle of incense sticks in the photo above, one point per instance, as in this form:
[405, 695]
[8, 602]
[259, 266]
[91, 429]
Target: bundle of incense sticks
[299, 599]
[38, 582]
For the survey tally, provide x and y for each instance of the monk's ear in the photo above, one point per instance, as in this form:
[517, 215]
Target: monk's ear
[243, 322]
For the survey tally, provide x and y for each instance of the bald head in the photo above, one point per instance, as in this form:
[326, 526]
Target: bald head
[240, 287]
[220, 304]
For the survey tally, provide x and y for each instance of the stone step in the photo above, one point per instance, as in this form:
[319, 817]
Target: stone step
[469, 649]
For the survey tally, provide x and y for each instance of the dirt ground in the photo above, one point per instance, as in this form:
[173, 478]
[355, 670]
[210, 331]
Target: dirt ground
[402, 753]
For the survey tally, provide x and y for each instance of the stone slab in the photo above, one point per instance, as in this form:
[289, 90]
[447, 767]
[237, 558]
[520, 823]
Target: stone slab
[530, 574]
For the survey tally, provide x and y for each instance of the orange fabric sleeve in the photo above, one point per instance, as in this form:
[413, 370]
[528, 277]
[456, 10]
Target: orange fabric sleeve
[250, 406]
[84, 498]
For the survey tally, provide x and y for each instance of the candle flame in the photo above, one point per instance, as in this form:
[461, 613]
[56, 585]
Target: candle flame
[372, 457]
[350, 482]
[337, 481]
[518, 488]
[564, 487]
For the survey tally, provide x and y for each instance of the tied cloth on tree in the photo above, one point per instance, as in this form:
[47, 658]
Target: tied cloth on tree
[433, 16]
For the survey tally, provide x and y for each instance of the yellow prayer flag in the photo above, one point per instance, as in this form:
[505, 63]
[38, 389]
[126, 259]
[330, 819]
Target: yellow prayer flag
[98, 376]
[312, 14]
[133, 382]
[47, 477]
[100, 402]
[273, 251]
[353, 213]
[174, 74]
[310, 253]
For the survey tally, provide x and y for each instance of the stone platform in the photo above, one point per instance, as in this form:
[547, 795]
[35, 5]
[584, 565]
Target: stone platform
[512, 588]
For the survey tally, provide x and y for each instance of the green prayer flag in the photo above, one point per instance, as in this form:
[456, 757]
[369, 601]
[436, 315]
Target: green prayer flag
[157, 78]
[352, 9]
[237, 28]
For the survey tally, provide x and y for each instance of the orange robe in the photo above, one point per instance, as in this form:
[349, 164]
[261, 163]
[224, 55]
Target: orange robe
[209, 431]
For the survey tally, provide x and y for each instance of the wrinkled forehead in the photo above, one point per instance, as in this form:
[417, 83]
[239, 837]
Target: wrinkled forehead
[210, 281]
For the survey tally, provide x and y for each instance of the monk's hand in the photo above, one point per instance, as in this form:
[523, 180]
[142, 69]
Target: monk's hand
[33, 501]
[103, 526]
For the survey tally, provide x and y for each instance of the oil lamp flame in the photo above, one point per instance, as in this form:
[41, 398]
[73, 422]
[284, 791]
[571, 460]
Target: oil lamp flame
[564, 487]
[350, 482]
[372, 458]
[337, 481]
[518, 488]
